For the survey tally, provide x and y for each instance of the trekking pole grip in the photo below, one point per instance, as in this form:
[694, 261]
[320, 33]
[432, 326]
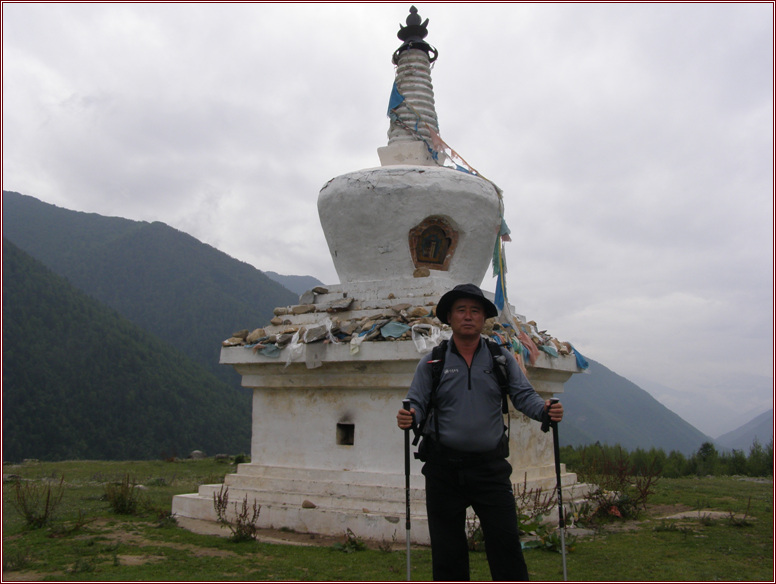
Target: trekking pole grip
[546, 422]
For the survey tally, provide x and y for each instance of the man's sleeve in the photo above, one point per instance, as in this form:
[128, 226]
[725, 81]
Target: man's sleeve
[524, 396]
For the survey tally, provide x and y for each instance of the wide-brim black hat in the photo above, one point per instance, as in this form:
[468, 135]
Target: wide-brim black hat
[445, 303]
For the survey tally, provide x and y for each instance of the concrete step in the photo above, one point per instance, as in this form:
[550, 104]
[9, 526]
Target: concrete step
[322, 475]
[349, 491]
[373, 526]
[388, 500]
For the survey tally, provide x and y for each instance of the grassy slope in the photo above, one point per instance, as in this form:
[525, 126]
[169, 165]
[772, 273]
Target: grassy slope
[129, 548]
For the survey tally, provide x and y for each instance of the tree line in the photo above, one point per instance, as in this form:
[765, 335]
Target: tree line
[707, 460]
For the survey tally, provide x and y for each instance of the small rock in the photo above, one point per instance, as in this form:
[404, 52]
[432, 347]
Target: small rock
[307, 298]
[280, 311]
[315, 333]
[254, 336]
[241, 334]
[197, 455]
[339, 305]
[374, 334]
[421, 273]
[233, 342]
[302, 308]
[277, 321]
[307, 504]
[349, 327]
[418, 312]
[320, 290]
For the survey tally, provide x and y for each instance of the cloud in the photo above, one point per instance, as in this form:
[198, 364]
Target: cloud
[633, 143]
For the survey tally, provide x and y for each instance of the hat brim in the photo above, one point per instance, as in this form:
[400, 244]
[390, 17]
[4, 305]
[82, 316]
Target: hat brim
[445, 304]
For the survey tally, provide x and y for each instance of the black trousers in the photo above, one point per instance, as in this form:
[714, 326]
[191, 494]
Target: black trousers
[487, 489]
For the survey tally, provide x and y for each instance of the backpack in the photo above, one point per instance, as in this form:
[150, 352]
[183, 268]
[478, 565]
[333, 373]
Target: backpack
[437, 363]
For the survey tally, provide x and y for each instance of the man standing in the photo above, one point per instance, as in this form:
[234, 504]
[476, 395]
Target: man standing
[464, 445]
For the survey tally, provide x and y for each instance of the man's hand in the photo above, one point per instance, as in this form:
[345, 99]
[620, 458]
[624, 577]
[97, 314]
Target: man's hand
[404, 418]
[555, 410]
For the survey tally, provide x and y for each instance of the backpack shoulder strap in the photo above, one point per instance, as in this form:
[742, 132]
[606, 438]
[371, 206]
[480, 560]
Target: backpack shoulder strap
[502, 376]
[501, 372]
[437, 363]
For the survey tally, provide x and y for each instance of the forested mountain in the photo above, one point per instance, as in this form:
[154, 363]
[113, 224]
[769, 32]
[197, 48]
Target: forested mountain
[81, 382]
[187, 293]
[607, 408]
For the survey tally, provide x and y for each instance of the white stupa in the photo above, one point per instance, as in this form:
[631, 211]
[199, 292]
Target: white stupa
[329, 374]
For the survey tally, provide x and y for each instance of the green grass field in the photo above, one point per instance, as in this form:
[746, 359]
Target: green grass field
[87, 541]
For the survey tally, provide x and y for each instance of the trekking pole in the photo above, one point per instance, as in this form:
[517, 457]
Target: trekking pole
[561, 519]
[405, 404]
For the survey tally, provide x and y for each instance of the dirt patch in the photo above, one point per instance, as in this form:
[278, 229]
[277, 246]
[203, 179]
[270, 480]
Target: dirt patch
[705, 514]
[652, 514]
[25, 576]
[663, 511]
[120, 534]
[126, 560]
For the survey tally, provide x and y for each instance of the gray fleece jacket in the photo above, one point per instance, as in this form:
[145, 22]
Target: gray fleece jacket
[468, 399]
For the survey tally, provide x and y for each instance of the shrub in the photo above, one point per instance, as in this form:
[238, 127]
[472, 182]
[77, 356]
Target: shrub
[620, 492]
[243, 527]
[351, 543]
[37, 502]
[125, 497]
[16, 559]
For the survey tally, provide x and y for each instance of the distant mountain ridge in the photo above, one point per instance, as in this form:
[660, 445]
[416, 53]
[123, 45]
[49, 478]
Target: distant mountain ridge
[297, 284]
[742, 438]
[192, 296]
[608, 408]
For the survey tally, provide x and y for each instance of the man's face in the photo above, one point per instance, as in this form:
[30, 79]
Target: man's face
[467, 317]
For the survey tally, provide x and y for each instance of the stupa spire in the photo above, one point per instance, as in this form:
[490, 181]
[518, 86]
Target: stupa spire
[411, 108]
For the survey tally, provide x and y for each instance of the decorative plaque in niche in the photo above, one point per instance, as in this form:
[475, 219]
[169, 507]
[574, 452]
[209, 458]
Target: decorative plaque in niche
[432, 243]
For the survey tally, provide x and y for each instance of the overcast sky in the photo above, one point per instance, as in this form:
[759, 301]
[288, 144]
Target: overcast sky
[633, 143]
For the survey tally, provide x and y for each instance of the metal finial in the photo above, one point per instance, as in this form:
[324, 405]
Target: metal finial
[413, 35]
[414, 29]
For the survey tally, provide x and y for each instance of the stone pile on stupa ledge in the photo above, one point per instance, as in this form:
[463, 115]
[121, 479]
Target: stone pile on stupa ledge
[324, 317]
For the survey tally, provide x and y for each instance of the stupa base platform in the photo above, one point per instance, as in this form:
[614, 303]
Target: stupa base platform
[323, 502]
